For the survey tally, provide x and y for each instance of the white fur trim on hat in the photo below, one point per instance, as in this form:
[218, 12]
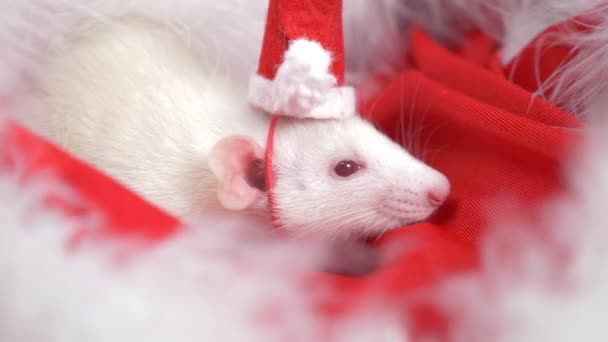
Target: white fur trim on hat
[303, 86]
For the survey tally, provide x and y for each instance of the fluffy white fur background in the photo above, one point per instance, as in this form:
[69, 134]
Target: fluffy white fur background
[191, 289]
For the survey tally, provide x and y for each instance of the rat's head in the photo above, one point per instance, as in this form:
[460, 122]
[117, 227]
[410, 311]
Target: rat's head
[332, 178]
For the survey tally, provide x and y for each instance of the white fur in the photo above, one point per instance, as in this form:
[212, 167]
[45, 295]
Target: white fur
[229, 29]
[512, 22]
[391, 190]
[580, 83]
[303, 86]
[152, 123]
[28, 29]
[162, 125]
[135, 101]
[525, 19]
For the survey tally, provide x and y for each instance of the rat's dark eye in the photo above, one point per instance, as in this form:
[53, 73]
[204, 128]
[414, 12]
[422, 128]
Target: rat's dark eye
[346, 168]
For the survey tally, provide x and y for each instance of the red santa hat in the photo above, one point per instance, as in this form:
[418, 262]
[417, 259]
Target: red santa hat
[301, 67]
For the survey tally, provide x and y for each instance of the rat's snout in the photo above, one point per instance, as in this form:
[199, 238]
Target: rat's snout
[438, 192]
[416, 193]
[436, 197]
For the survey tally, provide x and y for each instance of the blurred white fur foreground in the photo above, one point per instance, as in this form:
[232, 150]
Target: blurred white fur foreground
[189, 289]
[551, 287]
[193, 288]
[211, 284]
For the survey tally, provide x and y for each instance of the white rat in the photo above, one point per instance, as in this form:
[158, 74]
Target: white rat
[135, 100]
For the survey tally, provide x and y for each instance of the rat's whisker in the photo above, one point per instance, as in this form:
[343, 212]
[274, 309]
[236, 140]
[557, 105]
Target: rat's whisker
[430, 137]
[350, 215]
[337, 220]
[359, 217]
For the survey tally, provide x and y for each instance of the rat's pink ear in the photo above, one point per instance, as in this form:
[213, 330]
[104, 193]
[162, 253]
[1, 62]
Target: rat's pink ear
[237, 162]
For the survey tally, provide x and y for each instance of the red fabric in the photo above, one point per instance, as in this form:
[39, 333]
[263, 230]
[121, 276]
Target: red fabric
[317, 20]
[491, 137]
[500, 146]
[125, 214]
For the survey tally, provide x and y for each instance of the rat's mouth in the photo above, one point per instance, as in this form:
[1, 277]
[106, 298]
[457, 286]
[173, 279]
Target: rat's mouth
[407, 215]
[372, 237]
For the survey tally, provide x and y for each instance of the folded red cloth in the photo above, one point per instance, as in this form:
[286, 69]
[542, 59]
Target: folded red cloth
[500, 146]
[456, 109]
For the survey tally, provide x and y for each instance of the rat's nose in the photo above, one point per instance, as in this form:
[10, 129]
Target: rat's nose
[436, 197]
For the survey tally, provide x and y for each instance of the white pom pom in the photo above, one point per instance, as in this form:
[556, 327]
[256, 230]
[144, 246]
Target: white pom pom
[308, 56]
[303, 86]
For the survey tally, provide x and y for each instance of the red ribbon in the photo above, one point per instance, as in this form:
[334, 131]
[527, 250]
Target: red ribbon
[269, 172]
